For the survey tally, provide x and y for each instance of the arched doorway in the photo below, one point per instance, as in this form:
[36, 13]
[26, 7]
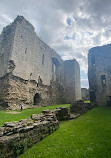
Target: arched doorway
[36, 98]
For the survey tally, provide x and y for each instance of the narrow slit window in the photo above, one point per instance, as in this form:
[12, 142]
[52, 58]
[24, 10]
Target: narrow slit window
[103, 79]
[43, 59]
[25, 50]
[93, 60]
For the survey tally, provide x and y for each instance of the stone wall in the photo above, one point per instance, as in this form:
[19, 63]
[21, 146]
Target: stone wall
[72, 81]
[85, 94]
[79, 107]
[15, 91]
[31, 56]
[4, 92]
[76, 74]
[16, 137]
[99, 74]
[61, 113]
[6, 46]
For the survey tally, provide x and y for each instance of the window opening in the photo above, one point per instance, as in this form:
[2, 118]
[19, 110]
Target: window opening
[93, 60]
[103, 79]
[26, 50]
[43, 59]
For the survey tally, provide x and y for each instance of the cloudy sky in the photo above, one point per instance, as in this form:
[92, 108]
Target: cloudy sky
[71, 27]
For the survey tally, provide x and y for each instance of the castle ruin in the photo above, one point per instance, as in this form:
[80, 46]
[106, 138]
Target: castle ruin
[99, 74]
[33, 73]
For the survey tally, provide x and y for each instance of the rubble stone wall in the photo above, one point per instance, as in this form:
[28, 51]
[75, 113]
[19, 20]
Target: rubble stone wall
[15, 91]
[4, 92]
[79, 107]
[16, 137]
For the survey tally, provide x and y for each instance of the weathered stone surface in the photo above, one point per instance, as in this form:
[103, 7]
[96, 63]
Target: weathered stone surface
[11, 124]
[1, 131]
[46, 111]
[72, 81]
[79, 107]
[85, 94]
[89, 106]
[74, 115]
[61, 113]
[38, 117]
[99, 74]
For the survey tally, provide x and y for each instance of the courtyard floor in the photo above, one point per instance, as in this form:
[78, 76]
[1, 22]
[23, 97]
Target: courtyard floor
[88, 136]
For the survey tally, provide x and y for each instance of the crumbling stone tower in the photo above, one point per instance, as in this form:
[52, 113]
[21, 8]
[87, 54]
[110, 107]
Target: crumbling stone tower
[31, 72]
[99, 74]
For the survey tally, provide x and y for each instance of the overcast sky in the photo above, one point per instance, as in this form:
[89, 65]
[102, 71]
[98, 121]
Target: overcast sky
[71, 27]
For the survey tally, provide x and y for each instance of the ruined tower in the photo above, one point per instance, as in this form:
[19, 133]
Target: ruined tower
[72, 80]
[30, 71]
[99, 74]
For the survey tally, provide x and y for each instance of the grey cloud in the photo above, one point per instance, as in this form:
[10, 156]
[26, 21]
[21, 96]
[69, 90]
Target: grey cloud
[66, 6]
[49, 18]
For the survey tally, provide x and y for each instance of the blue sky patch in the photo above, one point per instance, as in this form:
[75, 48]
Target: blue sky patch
[68, 21]
[69, 38]
[90, 33]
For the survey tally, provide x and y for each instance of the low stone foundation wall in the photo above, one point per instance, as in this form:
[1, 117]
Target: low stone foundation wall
[61, 113]
[79, 107]
[16, 137]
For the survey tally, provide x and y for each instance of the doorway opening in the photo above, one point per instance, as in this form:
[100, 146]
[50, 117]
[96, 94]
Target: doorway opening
[36, 98]
[109, 101]
[92, 96]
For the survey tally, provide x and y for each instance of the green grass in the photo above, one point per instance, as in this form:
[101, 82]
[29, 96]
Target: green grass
[6, 117]
[88, 101]
[88, 136]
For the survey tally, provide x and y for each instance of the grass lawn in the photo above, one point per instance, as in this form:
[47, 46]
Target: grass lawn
[6, 117]
[88, 136]
[87, 101]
